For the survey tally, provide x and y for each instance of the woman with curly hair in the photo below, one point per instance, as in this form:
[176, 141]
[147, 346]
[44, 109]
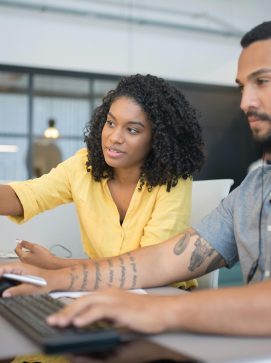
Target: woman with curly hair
[131, 186]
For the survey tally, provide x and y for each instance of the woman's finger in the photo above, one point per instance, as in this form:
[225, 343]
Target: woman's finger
[26, 244]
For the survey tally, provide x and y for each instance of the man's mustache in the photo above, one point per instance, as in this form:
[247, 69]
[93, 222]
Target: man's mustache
[260, 116]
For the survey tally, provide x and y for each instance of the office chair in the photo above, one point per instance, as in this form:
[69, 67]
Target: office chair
[51, 229]
[206, 195]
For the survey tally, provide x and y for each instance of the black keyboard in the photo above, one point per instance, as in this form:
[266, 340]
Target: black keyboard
[28, 314]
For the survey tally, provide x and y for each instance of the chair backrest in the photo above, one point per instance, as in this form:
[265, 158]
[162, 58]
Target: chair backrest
[206, 195]
[57, 226]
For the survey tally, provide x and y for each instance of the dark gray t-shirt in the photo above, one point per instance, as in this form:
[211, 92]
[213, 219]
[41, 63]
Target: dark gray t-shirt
[233, 227]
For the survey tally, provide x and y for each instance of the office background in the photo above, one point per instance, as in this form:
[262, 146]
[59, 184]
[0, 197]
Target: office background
[59, 57]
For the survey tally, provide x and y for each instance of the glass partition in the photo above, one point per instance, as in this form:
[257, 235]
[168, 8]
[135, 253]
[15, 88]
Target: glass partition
[13, 124]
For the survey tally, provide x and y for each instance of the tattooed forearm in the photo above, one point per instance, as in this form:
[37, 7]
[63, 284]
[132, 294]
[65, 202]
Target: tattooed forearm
[85, 278]
[201, 252]
[216, 262]
[134, 270]
[111, 272]
[98, 277]
[182, 243]
[73, 277]
[122, 272]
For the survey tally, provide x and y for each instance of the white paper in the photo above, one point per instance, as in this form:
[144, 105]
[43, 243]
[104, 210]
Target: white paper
[76, 294]
[4, 254]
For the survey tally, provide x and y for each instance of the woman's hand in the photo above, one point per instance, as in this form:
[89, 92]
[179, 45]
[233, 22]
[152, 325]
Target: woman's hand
[34, 254]
[142, 313]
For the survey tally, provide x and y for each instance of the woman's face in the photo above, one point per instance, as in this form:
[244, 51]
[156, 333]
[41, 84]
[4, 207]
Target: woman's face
[126, 135]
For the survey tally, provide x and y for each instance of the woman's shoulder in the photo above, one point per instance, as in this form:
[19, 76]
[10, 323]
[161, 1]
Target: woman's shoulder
[78, 160]
[82, 153]
[183, 186]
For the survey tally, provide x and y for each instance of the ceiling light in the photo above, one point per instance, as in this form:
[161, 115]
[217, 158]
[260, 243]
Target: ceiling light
[51, 132]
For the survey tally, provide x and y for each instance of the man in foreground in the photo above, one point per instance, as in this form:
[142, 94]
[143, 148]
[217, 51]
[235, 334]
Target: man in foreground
[239, 229]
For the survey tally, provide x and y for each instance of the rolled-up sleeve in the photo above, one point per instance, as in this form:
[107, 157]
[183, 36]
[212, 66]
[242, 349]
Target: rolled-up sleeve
[44, 193]
[217, 228]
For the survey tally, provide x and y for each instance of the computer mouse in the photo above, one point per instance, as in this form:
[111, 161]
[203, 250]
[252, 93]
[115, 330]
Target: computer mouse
[6, 283]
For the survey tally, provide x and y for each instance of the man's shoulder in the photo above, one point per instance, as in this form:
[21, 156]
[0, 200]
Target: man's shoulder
[248, 191]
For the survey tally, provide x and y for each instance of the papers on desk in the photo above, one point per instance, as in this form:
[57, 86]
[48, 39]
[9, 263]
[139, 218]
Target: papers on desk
[76, 294]
[4, 254]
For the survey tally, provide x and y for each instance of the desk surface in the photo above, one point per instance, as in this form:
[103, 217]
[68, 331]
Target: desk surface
[208, 348]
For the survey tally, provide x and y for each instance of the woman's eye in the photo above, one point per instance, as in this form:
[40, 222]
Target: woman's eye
[132, 131]
[110, 123]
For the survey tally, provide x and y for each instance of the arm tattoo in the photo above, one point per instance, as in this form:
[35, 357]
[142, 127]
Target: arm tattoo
[182, 244]
[216, 262]
[73, 277]
[111, 272]
[201, 252]
[122, 273]
[85, 277]
[98, 277]
[134, 270]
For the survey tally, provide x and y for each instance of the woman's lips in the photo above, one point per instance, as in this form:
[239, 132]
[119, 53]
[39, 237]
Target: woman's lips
[114, 153]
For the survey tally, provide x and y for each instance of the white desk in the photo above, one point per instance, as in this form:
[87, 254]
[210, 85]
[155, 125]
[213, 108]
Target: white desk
[209, 348]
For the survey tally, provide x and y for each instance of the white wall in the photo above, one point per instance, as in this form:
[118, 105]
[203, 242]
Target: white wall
[50, 40]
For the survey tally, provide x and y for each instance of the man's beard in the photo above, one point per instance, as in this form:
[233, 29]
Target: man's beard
[265, 144]
[263, 141]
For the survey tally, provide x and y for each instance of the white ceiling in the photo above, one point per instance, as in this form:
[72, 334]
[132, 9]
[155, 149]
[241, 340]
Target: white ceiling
[225, 17]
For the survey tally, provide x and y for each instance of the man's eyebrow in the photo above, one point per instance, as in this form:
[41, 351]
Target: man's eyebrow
[255, 74]
[260, 71]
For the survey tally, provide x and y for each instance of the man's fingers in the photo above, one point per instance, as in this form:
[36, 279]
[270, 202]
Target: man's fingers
[22, 289]
[15, 268]
[88, 309]
[67, 314]
[93, 314]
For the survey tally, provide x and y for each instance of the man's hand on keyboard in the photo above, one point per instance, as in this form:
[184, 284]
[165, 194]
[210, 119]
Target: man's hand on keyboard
[142, 313]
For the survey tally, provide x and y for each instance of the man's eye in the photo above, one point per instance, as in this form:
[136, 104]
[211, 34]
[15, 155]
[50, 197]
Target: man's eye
[262, 81]
[241, 88]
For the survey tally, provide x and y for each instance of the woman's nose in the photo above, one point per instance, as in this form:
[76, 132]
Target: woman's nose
[116, 136]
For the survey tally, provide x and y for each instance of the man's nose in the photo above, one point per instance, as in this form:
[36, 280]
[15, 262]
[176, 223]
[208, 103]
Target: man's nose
[249, 99]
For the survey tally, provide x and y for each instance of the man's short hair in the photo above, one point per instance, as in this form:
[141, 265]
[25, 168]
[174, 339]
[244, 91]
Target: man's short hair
[260, 32]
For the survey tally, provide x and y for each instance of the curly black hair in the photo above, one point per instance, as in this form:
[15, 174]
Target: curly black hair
[259, 32]
[177, 145]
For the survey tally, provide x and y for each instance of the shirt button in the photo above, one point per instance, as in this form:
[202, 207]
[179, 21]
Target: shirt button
[269, 228]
